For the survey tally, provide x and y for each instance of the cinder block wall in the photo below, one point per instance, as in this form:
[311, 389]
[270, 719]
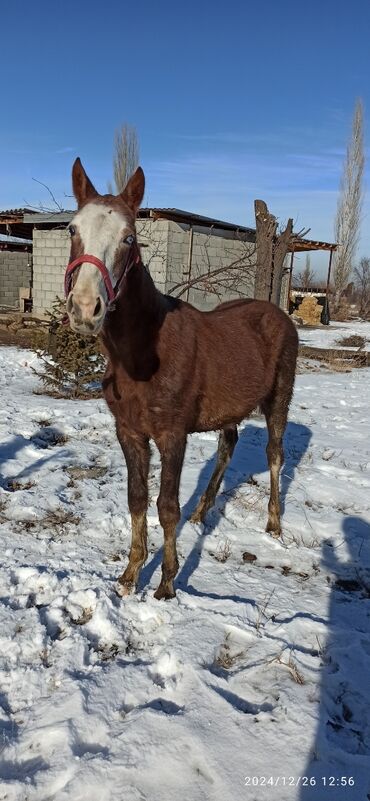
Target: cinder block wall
[15, 272]
[212, 249]
[153, 235]
[165, 249]
[50, 257]
[51, 254]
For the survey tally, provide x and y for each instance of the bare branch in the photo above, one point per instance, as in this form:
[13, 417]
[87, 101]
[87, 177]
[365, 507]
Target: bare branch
[59, 207]
[126, 155]
[306, 277]
[362, 283]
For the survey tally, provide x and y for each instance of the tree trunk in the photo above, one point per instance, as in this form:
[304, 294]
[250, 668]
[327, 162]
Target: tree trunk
[266, 226]
[271, 252]
[280, 249]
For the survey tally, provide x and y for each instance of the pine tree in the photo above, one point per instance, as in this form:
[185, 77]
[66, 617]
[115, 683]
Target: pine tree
[73, 366]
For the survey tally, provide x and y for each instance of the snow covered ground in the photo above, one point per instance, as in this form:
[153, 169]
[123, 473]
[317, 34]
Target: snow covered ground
[254, 677]
[329, 337]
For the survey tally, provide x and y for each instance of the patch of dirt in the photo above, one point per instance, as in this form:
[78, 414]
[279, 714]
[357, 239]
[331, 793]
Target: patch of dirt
[79, 473]
[13, 485]
[249, 557]
[21, 330]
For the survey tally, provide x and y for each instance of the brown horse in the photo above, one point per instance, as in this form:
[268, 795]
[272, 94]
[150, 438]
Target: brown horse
[172, 369]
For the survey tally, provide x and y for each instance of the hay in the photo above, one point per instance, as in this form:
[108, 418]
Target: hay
[309, 311]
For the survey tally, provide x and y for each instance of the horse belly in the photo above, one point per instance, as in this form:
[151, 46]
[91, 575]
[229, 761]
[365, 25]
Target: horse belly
[231, 393]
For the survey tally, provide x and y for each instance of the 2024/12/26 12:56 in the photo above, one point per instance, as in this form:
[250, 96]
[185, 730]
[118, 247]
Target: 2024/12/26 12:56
[296, 781]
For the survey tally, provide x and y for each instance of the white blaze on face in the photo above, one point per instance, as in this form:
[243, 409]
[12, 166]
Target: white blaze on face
[101, 230]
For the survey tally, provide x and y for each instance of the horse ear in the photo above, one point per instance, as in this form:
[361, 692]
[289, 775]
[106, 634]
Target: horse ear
[133, 192]
[83, 189]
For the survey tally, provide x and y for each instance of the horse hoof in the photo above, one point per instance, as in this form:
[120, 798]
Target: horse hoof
[165, 593]
[124, 588]
[274, 531]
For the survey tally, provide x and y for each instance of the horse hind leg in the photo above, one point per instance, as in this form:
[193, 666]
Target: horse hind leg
[275, 409]
[226, 444]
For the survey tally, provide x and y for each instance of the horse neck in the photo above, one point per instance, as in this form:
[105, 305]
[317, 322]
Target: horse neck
[130, 330]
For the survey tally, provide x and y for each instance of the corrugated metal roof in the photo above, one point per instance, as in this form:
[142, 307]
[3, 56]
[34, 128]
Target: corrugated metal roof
[15, 240]
[177, 215]
[18, 213]
[26, 220]
[187, 217]
[47, 218]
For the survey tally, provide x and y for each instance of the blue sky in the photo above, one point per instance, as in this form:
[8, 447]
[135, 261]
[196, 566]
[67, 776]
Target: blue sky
[231, 101]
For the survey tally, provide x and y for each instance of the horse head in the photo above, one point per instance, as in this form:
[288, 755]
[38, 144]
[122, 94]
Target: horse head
[103, 248]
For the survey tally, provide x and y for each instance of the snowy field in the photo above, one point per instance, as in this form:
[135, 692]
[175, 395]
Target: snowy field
[257, 674]
[330, 336]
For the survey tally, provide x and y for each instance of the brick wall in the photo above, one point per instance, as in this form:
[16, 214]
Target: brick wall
[15, 272]
[50, 256]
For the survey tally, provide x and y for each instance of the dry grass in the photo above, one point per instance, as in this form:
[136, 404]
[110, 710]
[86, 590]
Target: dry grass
[107, 652]
[56, 520]
[223, 551]
[14, 486]
[262, 617]
[291, 666]
[59, 517]
[300, 541]
[226, 659]
[79, 473]
[353, 341]
[83, 618]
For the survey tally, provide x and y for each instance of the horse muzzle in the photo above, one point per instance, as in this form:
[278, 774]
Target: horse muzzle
[86, 315]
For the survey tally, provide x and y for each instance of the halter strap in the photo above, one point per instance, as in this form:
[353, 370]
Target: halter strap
[87, 258]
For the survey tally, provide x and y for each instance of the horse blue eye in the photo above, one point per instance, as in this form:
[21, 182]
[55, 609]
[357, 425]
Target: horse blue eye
[129, 239]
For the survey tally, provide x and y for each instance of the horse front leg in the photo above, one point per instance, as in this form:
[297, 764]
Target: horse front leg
[172, 450]
[137, 456]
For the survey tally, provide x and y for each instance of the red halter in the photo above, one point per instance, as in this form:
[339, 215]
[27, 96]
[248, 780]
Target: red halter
[111, 291]
[97, 263]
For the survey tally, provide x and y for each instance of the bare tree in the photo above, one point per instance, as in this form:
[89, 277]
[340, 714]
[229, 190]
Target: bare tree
[232, 275]
[126, 155]
[348, 217]
[257, 267]
[272, 248]
[306, 277]
[362, 282]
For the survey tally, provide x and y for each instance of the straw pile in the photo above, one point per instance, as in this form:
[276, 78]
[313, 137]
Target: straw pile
[309, 311]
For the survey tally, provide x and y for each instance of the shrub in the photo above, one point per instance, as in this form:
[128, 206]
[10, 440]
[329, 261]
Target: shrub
[73, 366]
